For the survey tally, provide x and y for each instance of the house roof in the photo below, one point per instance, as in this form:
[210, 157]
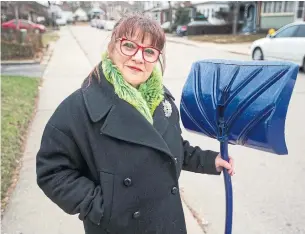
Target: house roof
[195, 3]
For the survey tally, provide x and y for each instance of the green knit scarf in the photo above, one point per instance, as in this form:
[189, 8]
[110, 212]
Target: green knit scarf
[148, 95]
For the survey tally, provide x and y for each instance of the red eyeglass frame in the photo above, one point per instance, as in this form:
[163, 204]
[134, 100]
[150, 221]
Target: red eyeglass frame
[142, 47]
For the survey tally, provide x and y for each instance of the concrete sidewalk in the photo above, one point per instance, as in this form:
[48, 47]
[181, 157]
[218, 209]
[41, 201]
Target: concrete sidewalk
[237, 48]
[29, 210]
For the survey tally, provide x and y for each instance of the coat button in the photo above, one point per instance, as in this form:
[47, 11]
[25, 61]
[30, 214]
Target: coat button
[176, 160]
[136, 215]
[127, 182]
[174, 190]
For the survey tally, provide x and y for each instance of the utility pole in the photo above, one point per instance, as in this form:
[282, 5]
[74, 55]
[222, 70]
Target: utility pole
[170, 14]
[236, 6]
[15, 6]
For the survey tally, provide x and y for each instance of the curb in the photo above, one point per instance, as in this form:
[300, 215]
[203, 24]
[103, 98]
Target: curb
[47, 56]
[237, 52]
[198, 222]
[197, 44]
[188, 43]
[19, 62]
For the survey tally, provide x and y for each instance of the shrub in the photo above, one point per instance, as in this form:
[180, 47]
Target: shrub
[17, 45]
[13, 50]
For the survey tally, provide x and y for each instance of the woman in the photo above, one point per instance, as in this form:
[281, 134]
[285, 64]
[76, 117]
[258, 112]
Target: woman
[112, 152]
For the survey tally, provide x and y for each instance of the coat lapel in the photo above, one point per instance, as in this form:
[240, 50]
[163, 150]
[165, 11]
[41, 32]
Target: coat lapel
[124, 122]
[160, 121]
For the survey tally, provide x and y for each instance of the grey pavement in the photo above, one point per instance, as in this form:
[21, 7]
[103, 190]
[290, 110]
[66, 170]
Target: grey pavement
[29, 210]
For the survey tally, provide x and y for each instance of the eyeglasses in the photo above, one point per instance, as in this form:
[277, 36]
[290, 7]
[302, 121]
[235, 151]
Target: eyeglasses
[130, 48]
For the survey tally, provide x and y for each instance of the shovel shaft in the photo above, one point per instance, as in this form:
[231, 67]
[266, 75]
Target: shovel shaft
[228, 188]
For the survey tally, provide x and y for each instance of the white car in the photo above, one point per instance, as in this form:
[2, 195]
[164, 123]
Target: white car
[61, 21]
[288, 43]
[109, 25]
[100, 23]
[166, 25]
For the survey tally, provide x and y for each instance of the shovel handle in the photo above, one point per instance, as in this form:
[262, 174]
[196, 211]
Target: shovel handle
[228, 188]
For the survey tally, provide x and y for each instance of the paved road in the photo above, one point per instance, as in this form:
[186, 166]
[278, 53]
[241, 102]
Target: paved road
[30, 70]
[269, 190]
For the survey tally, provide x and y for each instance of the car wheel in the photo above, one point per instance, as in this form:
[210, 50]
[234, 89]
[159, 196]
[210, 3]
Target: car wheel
[37, 31]
[257, 54]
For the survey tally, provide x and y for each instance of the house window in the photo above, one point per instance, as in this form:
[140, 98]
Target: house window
[300, 9]
[267, 7]
[263, 7]
[277, 7]
[288, 6]
[280, 6]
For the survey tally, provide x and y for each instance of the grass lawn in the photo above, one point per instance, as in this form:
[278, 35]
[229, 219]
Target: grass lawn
[18, 104]
[48, 37]
[223, 39]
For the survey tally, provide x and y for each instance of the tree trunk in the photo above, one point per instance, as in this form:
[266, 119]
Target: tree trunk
[16, 9]
[235, 17]
[170, 14]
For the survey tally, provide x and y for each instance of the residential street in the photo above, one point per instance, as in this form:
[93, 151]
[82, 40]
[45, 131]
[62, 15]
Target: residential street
[269, 190]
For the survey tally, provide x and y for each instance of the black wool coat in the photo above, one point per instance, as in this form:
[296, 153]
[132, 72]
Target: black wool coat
[101, 159]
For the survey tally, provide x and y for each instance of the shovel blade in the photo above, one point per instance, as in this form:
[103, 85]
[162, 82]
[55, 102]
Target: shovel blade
[254, 98]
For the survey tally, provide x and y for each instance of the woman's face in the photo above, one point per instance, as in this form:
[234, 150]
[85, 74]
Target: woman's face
[134, 69]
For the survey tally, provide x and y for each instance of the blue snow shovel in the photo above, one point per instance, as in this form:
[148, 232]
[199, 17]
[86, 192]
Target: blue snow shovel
[243, 103]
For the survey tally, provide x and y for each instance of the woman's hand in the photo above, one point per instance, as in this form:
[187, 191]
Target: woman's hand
[220, 164]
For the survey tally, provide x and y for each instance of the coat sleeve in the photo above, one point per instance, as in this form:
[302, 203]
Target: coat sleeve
[58, 166]
[198, 160]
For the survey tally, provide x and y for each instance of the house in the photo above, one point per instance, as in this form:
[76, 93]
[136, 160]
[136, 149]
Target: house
[161, 12]
[116, 9]
[209, 8]
[221, 12]
[80, 15]
[275, 14]
[153, 9]
[28, 10]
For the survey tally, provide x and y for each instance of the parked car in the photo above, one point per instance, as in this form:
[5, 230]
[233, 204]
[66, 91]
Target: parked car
[109, 25]
[166, 26]
[41, 20]
[69, 16]
[181, 30]
[287, 43]
[24, 24]
[100, 23]
[61, 21]
[93, 23]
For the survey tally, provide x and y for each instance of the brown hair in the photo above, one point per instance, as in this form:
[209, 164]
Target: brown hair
[136, 22]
